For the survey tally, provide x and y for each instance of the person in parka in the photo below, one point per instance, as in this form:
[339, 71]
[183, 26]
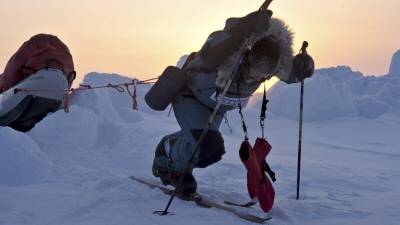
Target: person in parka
[197, 85]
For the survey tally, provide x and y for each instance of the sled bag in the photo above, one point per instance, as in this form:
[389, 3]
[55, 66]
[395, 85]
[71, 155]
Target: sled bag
[40, 52]
[171, 82]
[258, 184]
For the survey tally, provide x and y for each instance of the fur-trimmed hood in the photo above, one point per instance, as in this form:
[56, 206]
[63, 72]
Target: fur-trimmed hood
[283, 36]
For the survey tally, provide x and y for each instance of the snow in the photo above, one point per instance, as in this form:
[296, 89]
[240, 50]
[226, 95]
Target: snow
[33, 164]
[338, 92]
[395, 64]
[73, 168]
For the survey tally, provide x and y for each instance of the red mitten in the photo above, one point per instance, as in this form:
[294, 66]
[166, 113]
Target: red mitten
[249, 160]
[257, 182]
[266, 192]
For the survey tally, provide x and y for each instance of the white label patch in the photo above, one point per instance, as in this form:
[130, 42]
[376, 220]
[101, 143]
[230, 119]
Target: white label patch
[230, 101]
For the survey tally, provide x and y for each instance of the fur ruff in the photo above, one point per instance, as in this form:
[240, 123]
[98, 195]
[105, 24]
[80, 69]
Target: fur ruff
[279, 31]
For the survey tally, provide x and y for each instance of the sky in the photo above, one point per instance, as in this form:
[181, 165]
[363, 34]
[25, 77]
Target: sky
[140, 38]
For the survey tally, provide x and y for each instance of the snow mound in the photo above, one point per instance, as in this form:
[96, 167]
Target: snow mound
[21, 160]
[98, 119]
[338, 92]
[395, 64]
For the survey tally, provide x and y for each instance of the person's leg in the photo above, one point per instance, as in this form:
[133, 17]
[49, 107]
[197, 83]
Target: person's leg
[174, 151]
[193, 117]
[164, 167]
[162, 164]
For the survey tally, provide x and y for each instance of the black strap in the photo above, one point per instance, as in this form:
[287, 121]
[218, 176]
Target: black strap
[264, 103]
[72, 76]
[263, 110]
[244, 126]
[267, 169]
[227, 122]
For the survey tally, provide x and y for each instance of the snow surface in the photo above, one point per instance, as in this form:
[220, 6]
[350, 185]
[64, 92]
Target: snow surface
[73, 168]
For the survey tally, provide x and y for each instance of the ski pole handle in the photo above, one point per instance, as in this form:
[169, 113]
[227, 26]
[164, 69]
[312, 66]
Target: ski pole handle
[265, 5]
[303, 50]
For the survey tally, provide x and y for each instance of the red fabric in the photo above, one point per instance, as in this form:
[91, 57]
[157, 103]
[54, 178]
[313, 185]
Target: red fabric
[39, 52]
[258, 184]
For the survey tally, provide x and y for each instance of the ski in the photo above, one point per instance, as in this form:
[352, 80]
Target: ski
[202, 201]
[243, 205]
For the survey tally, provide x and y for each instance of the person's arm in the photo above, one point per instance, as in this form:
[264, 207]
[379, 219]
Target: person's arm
[222, 44]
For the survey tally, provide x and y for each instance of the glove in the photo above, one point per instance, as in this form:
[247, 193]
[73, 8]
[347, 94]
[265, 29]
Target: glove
[257, 22]
[303, 67]
[254, 23]
[222, 44]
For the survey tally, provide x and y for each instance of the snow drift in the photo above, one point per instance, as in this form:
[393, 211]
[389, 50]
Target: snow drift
[340, 92]
[21, 160]
[395, 64]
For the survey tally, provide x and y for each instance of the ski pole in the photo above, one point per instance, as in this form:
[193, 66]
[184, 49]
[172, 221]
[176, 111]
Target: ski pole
[300, 138]
[303, 52]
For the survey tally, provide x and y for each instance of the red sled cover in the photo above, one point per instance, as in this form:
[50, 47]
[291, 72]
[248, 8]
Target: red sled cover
[258, 184]
[40, 52]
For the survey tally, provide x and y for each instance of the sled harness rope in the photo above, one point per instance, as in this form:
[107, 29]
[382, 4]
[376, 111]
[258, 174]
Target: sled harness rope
[121, 87]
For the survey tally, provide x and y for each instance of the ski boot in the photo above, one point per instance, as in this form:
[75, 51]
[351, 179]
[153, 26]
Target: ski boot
[162, 168]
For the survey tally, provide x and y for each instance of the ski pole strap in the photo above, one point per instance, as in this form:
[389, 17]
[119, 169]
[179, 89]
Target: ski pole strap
[227, 122]
[271, 173]
[244, 126]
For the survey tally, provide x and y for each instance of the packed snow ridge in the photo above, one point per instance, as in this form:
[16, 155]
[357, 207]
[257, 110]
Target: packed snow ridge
[395, 64]
[341, 92]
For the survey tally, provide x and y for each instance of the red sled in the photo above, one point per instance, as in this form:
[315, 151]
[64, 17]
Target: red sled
[258, 184]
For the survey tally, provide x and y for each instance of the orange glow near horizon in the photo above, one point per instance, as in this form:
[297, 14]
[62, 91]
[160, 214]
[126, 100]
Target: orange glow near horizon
[268, 84]
[140, 38]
